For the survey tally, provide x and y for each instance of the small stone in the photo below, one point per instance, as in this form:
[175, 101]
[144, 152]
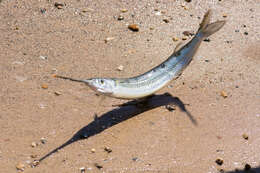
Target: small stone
[185, 8]
[135, 159]
[163, 12]
[33, 144]
[43, 140]
[20, 78]
[188, 33]
[43, 10]
[33, 156]
[245, 33]
[151, 28]
[124, 10]
[120, 68]
[166, 20]
[221, 170]
[43, 57]
[245, 136]
[225, 15]
[109, 39]
[206, 40]
[133, 27]
[82, 169]
[223, 94]
[170, 108]
[57, 93]
[44, 86]
[20, 166]
[188, 0]
[247, 167]
[184, 38]
[237, 30]
[58, 5]
[34, 163]
[220, 161]
[158, 13]
[120, 17]
[107, 149]
[175, 38]
[93, 150]
[98, 166]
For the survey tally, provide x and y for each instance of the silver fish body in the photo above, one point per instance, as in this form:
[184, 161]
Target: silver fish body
[155, 79]
[158, 77]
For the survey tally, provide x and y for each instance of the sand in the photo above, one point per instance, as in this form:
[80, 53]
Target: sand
[85, 39]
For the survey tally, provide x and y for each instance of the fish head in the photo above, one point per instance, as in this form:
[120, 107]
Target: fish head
[103, 86]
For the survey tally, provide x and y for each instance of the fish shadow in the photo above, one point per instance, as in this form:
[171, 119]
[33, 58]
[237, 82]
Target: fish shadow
[251, 170]
[120, 114]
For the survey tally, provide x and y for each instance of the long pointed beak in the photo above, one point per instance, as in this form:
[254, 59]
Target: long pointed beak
[86, 81]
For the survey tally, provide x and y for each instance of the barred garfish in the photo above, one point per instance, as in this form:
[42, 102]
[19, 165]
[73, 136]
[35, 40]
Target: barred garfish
[155, 79]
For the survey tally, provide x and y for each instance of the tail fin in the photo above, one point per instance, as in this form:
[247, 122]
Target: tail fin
[206, 29]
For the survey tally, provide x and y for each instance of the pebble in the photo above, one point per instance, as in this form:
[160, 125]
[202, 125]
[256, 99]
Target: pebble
[224, 15]
[43, 57]
[223, 94]
[206, 40]
[186, 8]
[158, 13]
[35, 163]
[133, 27]
[120, 17]
[135, 159]
[43, 140]
[93, 150]
[237, 30]
[33, 156]
[124, 10]
[188, 33]
[247, 167]
[58, 5]
[82, 169]
[20, 78]
[245, 33]
[120, 68]
[20, 166]
[188, 0]
[44, 86]
[184, 38]
[43, 10]
[219, 161]
[57, 93]
[109, 39]
[170, 108]
[33, 144]
[245, 136]
[166, 20]
[98, 166]
[175, 38]
[107, 149]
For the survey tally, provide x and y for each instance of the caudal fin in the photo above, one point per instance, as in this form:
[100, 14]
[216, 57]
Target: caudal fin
[206, 29]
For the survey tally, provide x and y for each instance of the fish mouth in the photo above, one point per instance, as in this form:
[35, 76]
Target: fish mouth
[89, 83]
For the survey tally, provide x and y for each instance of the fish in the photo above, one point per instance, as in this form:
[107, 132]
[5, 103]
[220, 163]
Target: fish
[150, 82]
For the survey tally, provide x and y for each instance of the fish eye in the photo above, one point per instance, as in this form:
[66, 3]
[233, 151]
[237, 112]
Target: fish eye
[102, 81]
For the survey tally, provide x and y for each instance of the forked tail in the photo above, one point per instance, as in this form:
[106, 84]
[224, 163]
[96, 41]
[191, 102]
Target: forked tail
[206, 29]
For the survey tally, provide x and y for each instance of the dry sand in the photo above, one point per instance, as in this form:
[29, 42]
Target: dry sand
[37, 40]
